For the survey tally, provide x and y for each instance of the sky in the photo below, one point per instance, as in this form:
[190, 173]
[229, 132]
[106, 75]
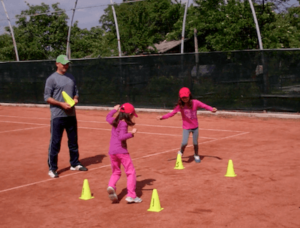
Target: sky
[87, 18]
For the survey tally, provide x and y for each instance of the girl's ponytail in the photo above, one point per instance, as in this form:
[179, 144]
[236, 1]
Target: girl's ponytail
[123, 116]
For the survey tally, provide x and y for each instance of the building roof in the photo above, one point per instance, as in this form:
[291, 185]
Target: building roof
[165, 45]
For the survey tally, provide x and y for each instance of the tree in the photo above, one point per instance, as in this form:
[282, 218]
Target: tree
[224, 27]
[284, 32]
[6, 48]
[42, 36]
[220, 26]
[91, 43]
[141, 24]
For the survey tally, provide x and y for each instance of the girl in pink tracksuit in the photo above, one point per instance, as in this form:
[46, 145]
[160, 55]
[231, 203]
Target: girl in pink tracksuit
[118, 152]
[188, 108]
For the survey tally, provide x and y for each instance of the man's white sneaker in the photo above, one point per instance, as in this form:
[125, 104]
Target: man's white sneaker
[112, 194]
[133, 200]
[179, 152]
[53, 174]
[79, 168]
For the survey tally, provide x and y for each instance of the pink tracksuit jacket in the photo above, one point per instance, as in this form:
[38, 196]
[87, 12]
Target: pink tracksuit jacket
[119, 135]
[189, 115]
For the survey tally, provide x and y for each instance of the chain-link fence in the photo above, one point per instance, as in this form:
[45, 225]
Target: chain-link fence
[240, 80]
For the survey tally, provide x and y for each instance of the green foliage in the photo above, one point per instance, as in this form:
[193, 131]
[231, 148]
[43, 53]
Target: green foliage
[6, 48]
[85, 43]
[141, 24]
[284, 32]
[45, 36]
[225, 27]
[42, 36]
[220, 26]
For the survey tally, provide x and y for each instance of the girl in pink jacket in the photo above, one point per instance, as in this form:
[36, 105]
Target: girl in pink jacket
[118, 152]
[188, 108]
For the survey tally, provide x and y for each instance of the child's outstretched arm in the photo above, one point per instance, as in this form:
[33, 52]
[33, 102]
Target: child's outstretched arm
[176, 109]
[205, 106]
[109, 118]
[214, 109]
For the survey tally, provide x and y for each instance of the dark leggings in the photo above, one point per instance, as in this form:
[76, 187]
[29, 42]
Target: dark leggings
[185, 137]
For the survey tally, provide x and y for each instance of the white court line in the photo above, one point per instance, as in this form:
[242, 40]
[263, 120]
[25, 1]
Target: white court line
[146, 156]
[150, 155]
[24, 129]
[170, 135]
[87, 121]
[104, 129]
[149, 125]
[26, 117]
[149, 133]
[24, 123]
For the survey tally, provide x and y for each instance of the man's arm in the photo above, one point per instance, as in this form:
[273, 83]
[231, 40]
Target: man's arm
[75, 100]
[76, 95]
[63, 105]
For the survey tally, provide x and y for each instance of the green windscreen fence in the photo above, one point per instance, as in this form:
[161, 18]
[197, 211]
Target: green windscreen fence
[239, 80]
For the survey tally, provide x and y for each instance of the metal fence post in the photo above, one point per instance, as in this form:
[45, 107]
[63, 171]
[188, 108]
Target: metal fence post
[69, 33]
[117, 28]
[256, 25]
[264, 62]
[12, 32]
[183, 26]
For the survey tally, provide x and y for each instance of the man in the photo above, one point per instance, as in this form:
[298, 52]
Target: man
[63, 116]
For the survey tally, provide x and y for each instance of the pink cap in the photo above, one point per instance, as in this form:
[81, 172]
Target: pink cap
[184, 92]
[128, 108]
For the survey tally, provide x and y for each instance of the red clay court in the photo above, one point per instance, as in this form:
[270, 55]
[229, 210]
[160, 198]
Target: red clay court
[264, 151]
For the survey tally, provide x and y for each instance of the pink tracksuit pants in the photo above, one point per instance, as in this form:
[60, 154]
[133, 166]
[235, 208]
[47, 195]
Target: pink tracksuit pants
[116, 161]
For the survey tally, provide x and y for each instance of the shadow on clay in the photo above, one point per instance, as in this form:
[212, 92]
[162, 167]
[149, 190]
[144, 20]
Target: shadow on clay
[139, 188]
[86, 162]
[191, 158]
[202, 157]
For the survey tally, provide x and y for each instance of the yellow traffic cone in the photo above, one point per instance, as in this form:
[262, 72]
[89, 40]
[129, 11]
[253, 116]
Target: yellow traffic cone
[68, 99]
[230, 170]
[86, 192]
[178, 162]
[155, 204]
